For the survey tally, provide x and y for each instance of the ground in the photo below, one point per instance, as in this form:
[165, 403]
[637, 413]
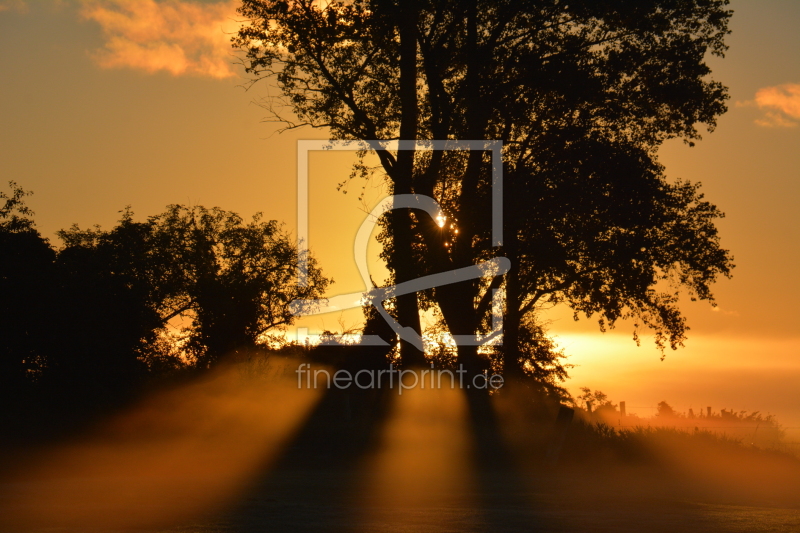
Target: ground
[231, 453]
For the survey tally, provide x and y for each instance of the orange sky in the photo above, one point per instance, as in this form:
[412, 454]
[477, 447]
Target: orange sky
[107, 103]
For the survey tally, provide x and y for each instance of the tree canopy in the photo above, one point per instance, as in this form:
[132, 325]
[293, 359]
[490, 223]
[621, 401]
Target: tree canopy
[186, 287]
[26, 263]
[582, 94]
[227, 282]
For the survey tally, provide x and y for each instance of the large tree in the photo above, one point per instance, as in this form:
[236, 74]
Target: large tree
[581, 93]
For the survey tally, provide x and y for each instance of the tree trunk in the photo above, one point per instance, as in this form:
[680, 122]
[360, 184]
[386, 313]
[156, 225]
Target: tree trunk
[511, 327]
[407, 305]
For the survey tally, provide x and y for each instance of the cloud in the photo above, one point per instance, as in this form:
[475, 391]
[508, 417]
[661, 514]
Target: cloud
[718, 309]
[20, 6]
[179, 36]
[781, 105]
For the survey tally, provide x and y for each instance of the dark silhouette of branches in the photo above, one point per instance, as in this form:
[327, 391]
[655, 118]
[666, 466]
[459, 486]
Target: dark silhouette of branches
[102, 312]
[582, 94]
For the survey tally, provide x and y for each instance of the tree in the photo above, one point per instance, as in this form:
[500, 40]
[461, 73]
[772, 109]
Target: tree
[15, 215]
[665, 410]
[26, 268]
[228, 282]
[582, 94]
[237, 278]
[107, 309]
[94, 315]
[596, 402]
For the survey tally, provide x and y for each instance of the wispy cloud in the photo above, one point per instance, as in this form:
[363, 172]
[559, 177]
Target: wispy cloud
[178, 36]
[718, 309]
[20, 6]
[781, 105]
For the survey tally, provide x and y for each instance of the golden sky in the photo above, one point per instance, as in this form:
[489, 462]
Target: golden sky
[107, 103]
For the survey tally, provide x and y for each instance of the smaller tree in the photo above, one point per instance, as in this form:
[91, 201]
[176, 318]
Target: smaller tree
[15, 216]
[228, 283]
[107, 307]
[26, 268]
[236, 279]
[596, 401]
[665, 410]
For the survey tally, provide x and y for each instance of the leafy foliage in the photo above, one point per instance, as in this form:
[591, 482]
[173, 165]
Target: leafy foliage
[101, 312]
[228, 282]
[14, 214]
[26, 271]
[581, 94]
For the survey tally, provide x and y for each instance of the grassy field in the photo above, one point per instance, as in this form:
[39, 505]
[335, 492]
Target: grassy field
[243, 450]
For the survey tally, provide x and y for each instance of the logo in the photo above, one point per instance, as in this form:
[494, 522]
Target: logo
[377, 296]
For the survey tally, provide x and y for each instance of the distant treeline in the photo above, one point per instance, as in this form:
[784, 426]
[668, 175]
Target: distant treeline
[748, 427]
[105, 308]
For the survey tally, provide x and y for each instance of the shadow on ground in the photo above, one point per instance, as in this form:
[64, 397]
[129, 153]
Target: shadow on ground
[235, 453]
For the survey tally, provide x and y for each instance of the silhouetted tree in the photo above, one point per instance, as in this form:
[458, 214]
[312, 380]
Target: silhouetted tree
[665, 410]
[223, 281]
[107, 305]
[92, 318]
[26, 271]
[581, 93]
[597, 400]
[237, 278]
